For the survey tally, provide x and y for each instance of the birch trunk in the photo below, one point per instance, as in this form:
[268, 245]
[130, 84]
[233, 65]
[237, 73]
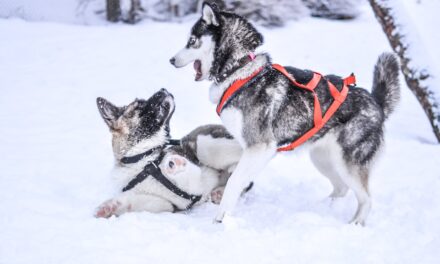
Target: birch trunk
[418, 77]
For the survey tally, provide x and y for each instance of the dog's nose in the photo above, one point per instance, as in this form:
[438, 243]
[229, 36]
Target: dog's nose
[166, 93]
[100, 101]
[173, 61]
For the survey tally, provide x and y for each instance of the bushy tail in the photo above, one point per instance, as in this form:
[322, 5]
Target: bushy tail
[386, 87]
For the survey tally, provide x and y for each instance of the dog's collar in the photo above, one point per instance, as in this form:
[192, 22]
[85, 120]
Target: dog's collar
[241, 62]
[136, 158]
[153, 169]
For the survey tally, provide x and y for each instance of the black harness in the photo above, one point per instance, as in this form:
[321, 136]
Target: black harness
[138, 157]
[152, 169]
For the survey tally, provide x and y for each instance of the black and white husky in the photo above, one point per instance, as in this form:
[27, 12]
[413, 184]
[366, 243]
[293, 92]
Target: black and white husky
[153, 176]
[272, 112]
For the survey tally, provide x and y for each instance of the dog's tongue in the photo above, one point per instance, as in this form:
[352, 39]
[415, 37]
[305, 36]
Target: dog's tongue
[198, 67]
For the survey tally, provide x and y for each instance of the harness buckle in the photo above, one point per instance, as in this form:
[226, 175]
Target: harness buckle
[350, 80]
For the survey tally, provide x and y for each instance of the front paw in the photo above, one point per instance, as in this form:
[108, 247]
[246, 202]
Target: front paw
[217, 194]
[108, 208]
[219, 218]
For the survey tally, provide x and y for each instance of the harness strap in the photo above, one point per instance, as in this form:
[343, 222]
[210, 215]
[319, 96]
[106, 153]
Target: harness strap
[234, 88]
[138, 157]
[174, 142]
[318, 119]
[136, 180]
[153, 170]
[157, 174]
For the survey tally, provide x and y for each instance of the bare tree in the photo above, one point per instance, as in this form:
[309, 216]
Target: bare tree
[417, 79]
[269, 13]
[113, 9]
[334, 9]
[134, 12]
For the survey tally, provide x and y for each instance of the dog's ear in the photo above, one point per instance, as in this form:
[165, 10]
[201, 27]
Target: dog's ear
[109, 112]
[129, 110]
[210, 14]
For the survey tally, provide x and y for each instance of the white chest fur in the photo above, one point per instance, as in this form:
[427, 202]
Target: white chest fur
[232, 119]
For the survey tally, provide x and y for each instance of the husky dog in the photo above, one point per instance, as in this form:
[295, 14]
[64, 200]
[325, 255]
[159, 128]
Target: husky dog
[271, 112]
[140, 135]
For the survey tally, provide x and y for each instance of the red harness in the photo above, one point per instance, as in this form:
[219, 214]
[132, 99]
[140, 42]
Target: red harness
[318, 118]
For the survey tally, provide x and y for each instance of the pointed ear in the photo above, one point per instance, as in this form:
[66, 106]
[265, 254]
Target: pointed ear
[109, 112]
[129, 109]
[209, 14]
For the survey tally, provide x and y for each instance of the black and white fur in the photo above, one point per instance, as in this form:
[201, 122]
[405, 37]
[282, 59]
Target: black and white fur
[273, 112]
[143, 125]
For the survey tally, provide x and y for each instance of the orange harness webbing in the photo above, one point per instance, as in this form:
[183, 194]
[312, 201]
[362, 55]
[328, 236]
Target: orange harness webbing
[318, 118]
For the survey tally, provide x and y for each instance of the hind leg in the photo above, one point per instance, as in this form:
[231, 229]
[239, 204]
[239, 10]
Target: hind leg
[359, 142]
[357, 179]
[321, 158]
[344, 172]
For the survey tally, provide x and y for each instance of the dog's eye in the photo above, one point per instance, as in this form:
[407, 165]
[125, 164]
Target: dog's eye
[171, 164]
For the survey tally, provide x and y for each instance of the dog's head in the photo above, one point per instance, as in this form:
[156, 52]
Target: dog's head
[139, 126]
[217, 41]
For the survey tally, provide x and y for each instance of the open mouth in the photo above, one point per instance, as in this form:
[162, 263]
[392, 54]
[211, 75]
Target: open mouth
[168, 104]
[198, 69]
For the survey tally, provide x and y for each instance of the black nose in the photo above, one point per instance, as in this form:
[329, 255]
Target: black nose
[173, 60]
[165, 92]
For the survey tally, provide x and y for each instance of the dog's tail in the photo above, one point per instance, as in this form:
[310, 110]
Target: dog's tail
[386, 87]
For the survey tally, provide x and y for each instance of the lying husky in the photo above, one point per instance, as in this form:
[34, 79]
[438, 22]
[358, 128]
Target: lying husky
[272, 110]
[157, 178]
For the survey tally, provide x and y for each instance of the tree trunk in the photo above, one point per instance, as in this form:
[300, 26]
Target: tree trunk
[135, 9]
[416, 78]
[113, 8]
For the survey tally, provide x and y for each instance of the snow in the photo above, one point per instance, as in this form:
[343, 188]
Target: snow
[56, 155]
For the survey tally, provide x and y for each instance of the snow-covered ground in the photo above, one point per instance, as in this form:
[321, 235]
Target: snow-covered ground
[55, 155]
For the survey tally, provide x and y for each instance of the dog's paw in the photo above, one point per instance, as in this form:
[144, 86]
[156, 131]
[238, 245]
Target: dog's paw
[173, 164]
[357, 222]
[219, 218]
[108, 209]
[338, 193]
[217, 194]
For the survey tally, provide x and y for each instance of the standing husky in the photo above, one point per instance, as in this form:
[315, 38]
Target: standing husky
[270, 111]
[157, 178]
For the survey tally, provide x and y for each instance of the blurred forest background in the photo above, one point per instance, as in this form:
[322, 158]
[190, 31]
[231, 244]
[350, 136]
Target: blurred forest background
[270, 13]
